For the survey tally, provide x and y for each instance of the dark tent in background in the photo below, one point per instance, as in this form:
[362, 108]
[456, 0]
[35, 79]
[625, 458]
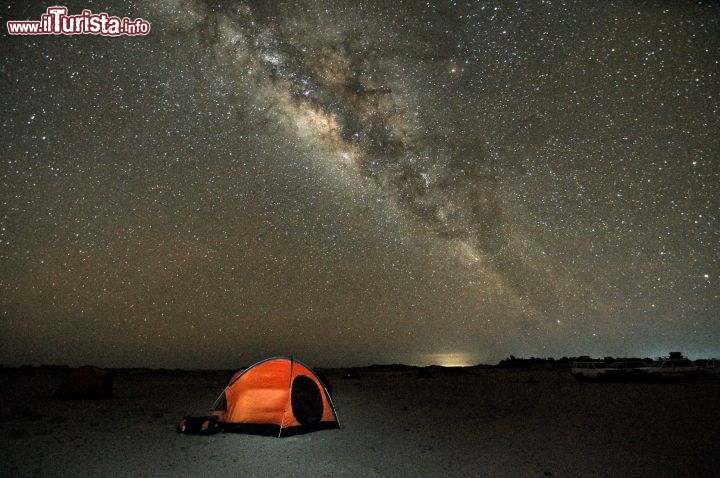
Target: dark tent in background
[275, 397]
[86, 382]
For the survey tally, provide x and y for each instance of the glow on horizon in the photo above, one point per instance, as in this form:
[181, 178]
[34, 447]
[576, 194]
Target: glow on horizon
[452, 359]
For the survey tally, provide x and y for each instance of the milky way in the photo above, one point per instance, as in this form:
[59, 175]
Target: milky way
[338, 85]
[355, 182]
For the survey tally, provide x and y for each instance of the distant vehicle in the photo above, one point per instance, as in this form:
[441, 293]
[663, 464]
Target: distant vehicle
[587, 370]
[669, 369]
[623, 371]
[709, 368]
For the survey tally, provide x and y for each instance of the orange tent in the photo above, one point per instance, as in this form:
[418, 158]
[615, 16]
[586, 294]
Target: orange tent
[278, 396]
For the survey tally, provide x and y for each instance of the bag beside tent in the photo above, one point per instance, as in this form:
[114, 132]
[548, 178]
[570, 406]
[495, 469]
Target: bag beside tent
[279, 397]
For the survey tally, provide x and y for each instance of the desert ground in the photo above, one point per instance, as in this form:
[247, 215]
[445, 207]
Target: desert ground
[483, 422]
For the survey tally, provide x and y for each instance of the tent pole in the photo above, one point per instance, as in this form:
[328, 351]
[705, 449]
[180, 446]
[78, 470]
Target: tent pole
[288, 398]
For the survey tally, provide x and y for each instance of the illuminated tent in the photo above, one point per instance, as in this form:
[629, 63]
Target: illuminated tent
[275, 397]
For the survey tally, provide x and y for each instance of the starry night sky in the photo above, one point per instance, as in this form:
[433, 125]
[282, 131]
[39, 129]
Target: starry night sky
[361, 182]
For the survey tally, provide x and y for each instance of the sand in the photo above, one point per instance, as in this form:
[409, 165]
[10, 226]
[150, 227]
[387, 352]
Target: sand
[478, 422]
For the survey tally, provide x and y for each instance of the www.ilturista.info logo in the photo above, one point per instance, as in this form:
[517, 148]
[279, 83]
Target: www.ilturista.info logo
[57, 22]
